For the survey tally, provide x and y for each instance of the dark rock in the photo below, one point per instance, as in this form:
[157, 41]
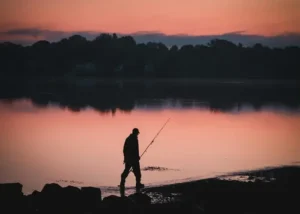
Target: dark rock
[51, 189]
[72, 193]
[116, 204]
[33, 201]
[12, 198]
[140, 199]
[91, 198]
[51, 198]
[173, 208]
[11, 189]
[71, 199]
[54, 198]
[35, 193]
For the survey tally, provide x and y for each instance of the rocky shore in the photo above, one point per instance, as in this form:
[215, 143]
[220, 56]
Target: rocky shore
[273, 190]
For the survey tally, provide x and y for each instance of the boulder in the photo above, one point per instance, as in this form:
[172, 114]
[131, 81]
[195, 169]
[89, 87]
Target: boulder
[57, 199]
[51, 189]
[72, 200]
[12, 198]
[91, 198]
[54, 198]
[51, 198]
[11, 190]
[33, 201]
[116, 204]
[140, 199]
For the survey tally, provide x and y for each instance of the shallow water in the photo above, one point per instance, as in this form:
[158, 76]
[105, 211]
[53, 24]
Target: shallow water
[53, 144]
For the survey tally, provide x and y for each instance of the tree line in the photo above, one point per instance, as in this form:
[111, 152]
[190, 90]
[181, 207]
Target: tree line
[110, 56]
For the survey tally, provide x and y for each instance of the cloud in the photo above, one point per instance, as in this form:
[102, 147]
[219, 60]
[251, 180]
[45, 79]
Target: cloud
[287, 39]
[235, 32]
[146, 33]
[35, 34]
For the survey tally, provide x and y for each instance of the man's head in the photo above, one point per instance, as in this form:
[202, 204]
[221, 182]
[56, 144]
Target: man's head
[135, 131]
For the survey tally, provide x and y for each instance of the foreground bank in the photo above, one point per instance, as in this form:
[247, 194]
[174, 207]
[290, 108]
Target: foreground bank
[264, 191]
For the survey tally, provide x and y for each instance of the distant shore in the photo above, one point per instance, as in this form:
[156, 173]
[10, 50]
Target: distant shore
[110, 55]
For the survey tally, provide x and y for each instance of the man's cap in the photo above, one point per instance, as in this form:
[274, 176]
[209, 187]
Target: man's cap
[135, 130]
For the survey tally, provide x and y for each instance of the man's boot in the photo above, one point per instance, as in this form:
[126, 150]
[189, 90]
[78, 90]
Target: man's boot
[122, 187]
[122, 190]
[139, 186]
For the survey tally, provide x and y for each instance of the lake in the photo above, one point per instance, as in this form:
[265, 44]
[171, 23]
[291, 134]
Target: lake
[52, 143]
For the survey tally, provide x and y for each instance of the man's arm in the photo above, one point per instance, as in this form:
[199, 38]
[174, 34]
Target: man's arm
[125, 149]
[137, 147]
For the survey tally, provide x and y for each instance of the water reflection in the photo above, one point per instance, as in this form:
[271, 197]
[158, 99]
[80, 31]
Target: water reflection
[40, 145]
[108, 97]
[49, 134]
[150, 105]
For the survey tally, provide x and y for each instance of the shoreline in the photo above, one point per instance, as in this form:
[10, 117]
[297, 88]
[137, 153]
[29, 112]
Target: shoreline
[173, 184]
[263, 174]
[270, 191]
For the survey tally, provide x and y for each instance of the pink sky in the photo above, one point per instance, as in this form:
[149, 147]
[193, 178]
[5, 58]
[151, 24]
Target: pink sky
[196, 17]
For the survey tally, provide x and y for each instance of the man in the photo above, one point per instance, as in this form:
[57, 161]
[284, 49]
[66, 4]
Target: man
[131, 159]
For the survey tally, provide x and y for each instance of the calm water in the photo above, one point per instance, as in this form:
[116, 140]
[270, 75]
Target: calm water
[42, 145]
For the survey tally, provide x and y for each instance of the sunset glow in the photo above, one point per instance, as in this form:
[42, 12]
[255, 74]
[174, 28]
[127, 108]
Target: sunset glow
[194, 17]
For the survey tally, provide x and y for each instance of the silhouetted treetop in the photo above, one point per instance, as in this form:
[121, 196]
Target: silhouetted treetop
[110, 56]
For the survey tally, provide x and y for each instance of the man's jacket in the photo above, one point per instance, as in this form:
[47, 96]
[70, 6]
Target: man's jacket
[131, 149]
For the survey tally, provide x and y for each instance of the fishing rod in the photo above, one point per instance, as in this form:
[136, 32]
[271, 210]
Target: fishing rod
[153, 140]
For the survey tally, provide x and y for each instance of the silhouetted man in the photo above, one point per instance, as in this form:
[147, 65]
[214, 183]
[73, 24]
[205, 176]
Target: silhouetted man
[131, 159]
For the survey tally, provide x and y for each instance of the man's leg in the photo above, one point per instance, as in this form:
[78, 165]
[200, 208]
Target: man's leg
[137, 173]
[125, 173]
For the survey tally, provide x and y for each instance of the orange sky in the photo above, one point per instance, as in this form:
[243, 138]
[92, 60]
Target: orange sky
[201, 17]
